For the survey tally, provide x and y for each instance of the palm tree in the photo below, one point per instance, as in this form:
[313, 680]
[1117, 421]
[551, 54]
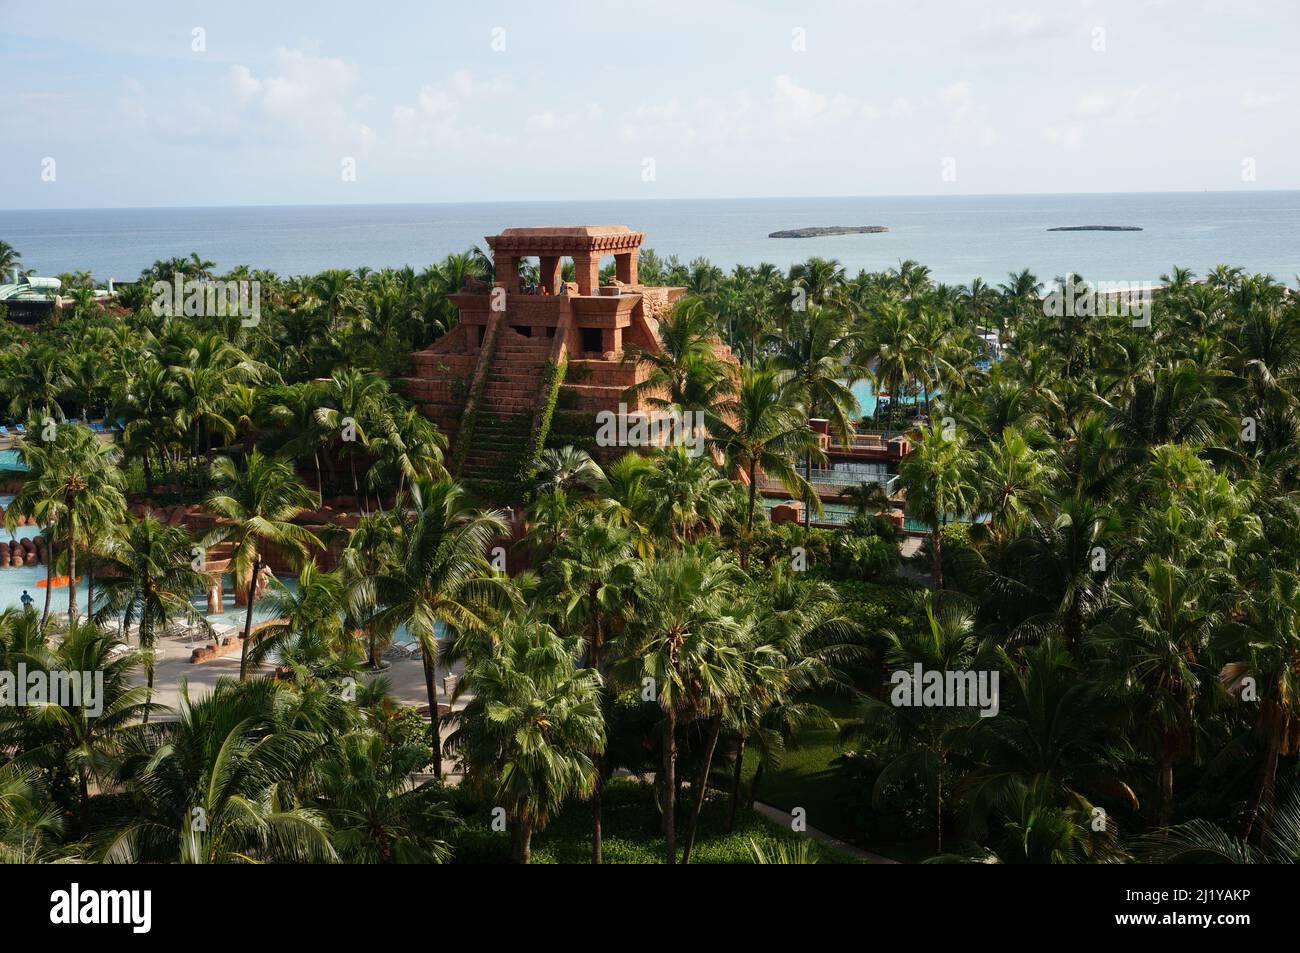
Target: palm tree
[206, 786]
[294, 408]
[76, 484]
[255, 504]
[565, 468]
[150, 583]
[1013, 480]
[312, 619]
[10, 259]
[440, 580]
[353, 399]
[36, 503]
[764, 431]
[889, 350]
[685, 373]
[692, 497]
[1204, 842]
[374, 811]
[938, 476]
[920, 740]
[83, 739]
[594, 576]
[866, 498]
[680, 641]
[531, 728]
[817, 353]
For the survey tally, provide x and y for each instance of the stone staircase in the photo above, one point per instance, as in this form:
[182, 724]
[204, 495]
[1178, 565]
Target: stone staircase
[507, 408]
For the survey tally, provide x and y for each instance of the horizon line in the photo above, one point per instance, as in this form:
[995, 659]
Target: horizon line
[725, 198]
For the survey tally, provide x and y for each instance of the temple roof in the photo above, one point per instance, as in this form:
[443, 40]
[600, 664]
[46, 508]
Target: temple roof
[566, 239]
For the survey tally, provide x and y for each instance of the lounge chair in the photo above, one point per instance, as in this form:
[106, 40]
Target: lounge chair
[4, 431]
[20, 428]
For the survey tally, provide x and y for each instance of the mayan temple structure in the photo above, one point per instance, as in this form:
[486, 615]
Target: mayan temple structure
[530, 366]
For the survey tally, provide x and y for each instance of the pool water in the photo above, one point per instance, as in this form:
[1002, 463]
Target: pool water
[9, 461]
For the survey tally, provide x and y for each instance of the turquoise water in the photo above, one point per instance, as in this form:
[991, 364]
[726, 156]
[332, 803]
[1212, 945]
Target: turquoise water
[957, 237]
[9, 461]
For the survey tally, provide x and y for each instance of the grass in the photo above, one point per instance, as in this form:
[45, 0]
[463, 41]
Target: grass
[808, 778]
[631, 833]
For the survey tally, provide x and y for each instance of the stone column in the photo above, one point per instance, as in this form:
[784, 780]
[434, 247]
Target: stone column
[588, 270]
[507, 272]
[216, 602]
[550, 273]
[625, 266]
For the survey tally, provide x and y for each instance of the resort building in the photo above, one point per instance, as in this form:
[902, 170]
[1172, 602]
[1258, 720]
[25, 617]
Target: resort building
[29, 299]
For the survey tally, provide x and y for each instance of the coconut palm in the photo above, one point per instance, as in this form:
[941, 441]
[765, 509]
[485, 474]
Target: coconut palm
[80, 739]
[939, 478]
[817, 352]
[440, 580]
[765, 432]
[204, 787]
[255, 503]
[150, 583]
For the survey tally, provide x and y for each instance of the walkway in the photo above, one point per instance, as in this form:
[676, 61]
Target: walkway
[781, 818]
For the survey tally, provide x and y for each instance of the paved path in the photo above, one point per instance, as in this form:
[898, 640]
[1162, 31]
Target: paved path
[780, 817]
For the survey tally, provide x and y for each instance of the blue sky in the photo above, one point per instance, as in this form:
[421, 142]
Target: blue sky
[624, 99]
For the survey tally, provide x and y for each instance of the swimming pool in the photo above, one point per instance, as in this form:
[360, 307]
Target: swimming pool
[9, 461]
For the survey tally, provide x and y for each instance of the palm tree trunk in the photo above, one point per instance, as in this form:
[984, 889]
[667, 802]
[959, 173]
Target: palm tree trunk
[938, 808]
[936, 554]
[753, 785]
[702, 786]
[669, 786]
[522, 835]
[320, 487]
[1271, 715]
[736, 778]
[431, 688]
[597, 790]
[72, 581]
[248, 618]
[148, 690]
[49, 574]
[1166, 779]
[807, 509]
[84, 786]
[90, 584]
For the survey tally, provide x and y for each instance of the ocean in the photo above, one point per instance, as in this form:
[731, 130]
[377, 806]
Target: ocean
[958, 237]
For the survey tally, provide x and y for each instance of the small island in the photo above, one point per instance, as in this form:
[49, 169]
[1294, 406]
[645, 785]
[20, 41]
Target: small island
[829, 230]
[1096, 228]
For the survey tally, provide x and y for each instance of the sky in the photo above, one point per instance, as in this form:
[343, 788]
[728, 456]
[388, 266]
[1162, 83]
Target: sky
[235, 103]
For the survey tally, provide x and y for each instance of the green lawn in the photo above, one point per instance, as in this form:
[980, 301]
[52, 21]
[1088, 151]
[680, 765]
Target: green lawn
[631, 833]
[809, 779]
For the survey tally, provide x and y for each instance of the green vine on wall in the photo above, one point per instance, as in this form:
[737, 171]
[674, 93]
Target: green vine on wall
[552, 379]
[465, 435]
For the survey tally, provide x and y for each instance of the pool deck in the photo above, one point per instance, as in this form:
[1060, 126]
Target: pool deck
[405, 676]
